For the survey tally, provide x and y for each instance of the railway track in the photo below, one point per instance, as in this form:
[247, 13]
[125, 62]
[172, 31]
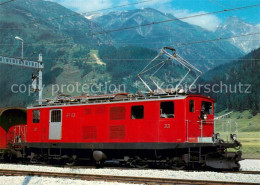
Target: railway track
[244, 172]
[121, 168]
[125, 168]
[128, 168]
[111, 178]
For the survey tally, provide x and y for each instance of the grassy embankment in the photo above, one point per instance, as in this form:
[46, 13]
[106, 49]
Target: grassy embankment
[248, 132]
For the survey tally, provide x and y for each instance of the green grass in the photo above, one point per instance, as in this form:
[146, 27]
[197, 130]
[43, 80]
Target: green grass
[250, 144]
[246, 122]
[248, 132]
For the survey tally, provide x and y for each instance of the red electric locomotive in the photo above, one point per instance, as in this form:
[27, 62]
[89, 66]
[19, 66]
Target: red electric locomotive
[168, 128]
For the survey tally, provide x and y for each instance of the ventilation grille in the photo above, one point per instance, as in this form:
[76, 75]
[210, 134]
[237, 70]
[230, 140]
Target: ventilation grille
[88, 111]
[100, 110]
[117, 132]
[89, 132]
[117, 113]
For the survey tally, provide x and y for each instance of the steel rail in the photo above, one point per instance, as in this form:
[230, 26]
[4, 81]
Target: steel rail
[112, 178]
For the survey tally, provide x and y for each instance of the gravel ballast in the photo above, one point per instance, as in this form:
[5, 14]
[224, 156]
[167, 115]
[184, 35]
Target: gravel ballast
[248, 165]
[50, 181]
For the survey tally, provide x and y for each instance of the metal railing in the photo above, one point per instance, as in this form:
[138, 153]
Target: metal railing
[87, 101]
[223, 127]
[20, 134]
[20, 62]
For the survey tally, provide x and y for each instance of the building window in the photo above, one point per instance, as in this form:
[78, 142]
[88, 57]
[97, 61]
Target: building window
[167, 110]
[206, 107]
[137, 112]
[191, 105]
[36, 116]
[117, 113]
[55, 116]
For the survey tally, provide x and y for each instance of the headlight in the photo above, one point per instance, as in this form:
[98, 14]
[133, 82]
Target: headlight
[233, 137]
[181, 91]
[217, 136]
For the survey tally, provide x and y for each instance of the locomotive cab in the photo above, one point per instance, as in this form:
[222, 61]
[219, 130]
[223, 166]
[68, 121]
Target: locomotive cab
[199, 119]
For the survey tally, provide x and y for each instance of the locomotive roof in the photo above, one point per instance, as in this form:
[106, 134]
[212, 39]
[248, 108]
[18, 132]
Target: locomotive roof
[201, 96]
[112, 98]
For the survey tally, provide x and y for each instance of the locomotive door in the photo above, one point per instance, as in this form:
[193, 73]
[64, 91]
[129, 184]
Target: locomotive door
[193, 121]
[55, 124]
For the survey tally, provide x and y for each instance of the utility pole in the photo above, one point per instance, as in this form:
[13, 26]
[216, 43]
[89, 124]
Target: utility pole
[40, 88]
[28, 64]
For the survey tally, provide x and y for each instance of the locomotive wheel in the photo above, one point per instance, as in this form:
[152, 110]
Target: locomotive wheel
[71, 162]
[140, 163]
[10, 156]
[237, 168]
[177, 164]
[100, 164]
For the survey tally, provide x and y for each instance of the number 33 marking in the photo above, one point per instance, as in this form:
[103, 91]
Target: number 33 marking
[167, 126]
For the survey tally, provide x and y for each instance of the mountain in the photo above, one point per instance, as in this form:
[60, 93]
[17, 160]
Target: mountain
[38, 21]
[73, 52]
[238, 83]
[204, 55]
[60, 40]
[235, 26]
[70, 55]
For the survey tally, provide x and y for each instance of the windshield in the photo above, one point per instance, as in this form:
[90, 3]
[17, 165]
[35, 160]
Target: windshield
[206, 107]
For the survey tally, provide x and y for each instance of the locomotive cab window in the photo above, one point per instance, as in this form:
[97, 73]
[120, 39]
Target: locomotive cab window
[206, 107]
[137, 112]
[36, 116]
[191, 105]
[167, 110]
[55, 116]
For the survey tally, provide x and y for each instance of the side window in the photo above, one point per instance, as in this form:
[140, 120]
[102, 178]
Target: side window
[56, 116]
[137, 112]
[36, 116]
[206, 107]
[167, 110]
[191, 105]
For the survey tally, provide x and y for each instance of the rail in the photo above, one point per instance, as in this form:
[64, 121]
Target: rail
[112, 178]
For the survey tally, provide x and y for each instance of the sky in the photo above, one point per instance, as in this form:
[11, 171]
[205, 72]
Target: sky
[179, 8]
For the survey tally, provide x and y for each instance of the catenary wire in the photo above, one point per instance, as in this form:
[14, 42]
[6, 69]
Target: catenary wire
[179, 45]
[80, 14]
[152, 23]
[104, 9]
[84, 13]
[2, 3]
[217, 39]
[217, 4]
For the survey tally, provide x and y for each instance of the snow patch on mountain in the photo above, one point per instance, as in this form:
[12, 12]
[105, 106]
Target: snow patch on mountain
[234, 27]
